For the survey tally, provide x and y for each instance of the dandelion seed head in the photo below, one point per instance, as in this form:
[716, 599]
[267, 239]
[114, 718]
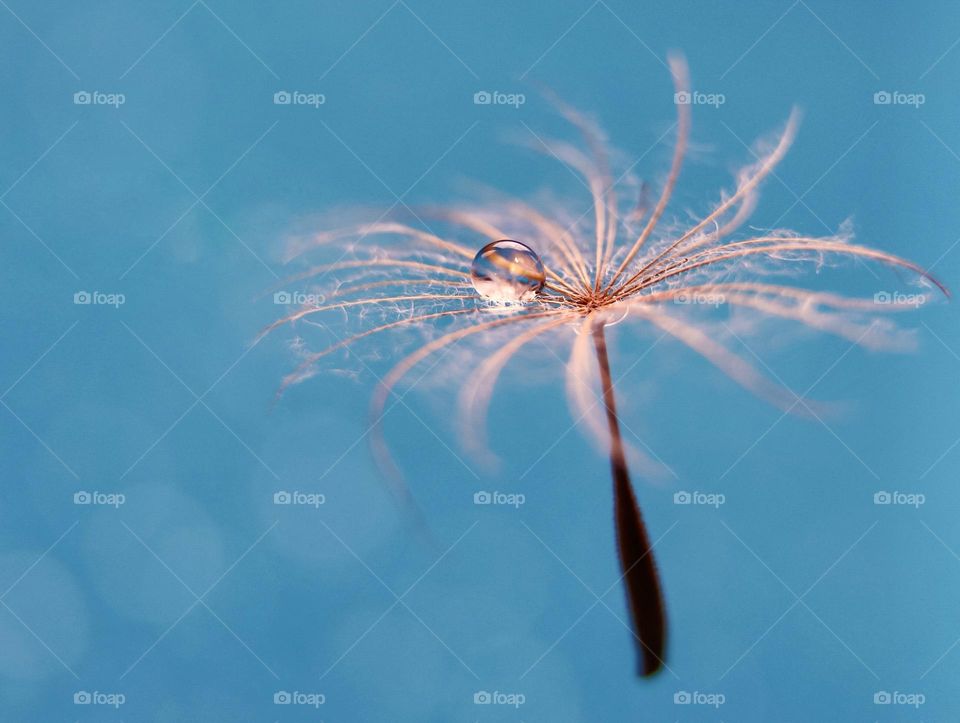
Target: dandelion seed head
[459, 301]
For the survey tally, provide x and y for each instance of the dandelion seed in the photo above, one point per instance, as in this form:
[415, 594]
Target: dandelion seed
[591, 272]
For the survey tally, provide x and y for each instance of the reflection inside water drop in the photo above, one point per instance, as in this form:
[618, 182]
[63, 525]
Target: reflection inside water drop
[507, 271]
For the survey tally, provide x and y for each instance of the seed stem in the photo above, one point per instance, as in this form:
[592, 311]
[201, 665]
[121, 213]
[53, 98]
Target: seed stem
[644, 596]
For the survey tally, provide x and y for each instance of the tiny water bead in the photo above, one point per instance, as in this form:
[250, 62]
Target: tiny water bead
[507, 271]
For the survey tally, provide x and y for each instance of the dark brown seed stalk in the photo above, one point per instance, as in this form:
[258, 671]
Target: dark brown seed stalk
[644, 596]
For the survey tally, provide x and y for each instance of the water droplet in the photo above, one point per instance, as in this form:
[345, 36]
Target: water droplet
[507, 272]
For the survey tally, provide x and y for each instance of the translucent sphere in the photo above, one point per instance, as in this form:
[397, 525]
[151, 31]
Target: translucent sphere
[507, 272]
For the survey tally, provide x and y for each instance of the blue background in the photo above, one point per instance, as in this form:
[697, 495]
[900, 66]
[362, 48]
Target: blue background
[199, 599]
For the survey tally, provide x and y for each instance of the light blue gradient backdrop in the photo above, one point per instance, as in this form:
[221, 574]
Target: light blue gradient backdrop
[113, 407]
